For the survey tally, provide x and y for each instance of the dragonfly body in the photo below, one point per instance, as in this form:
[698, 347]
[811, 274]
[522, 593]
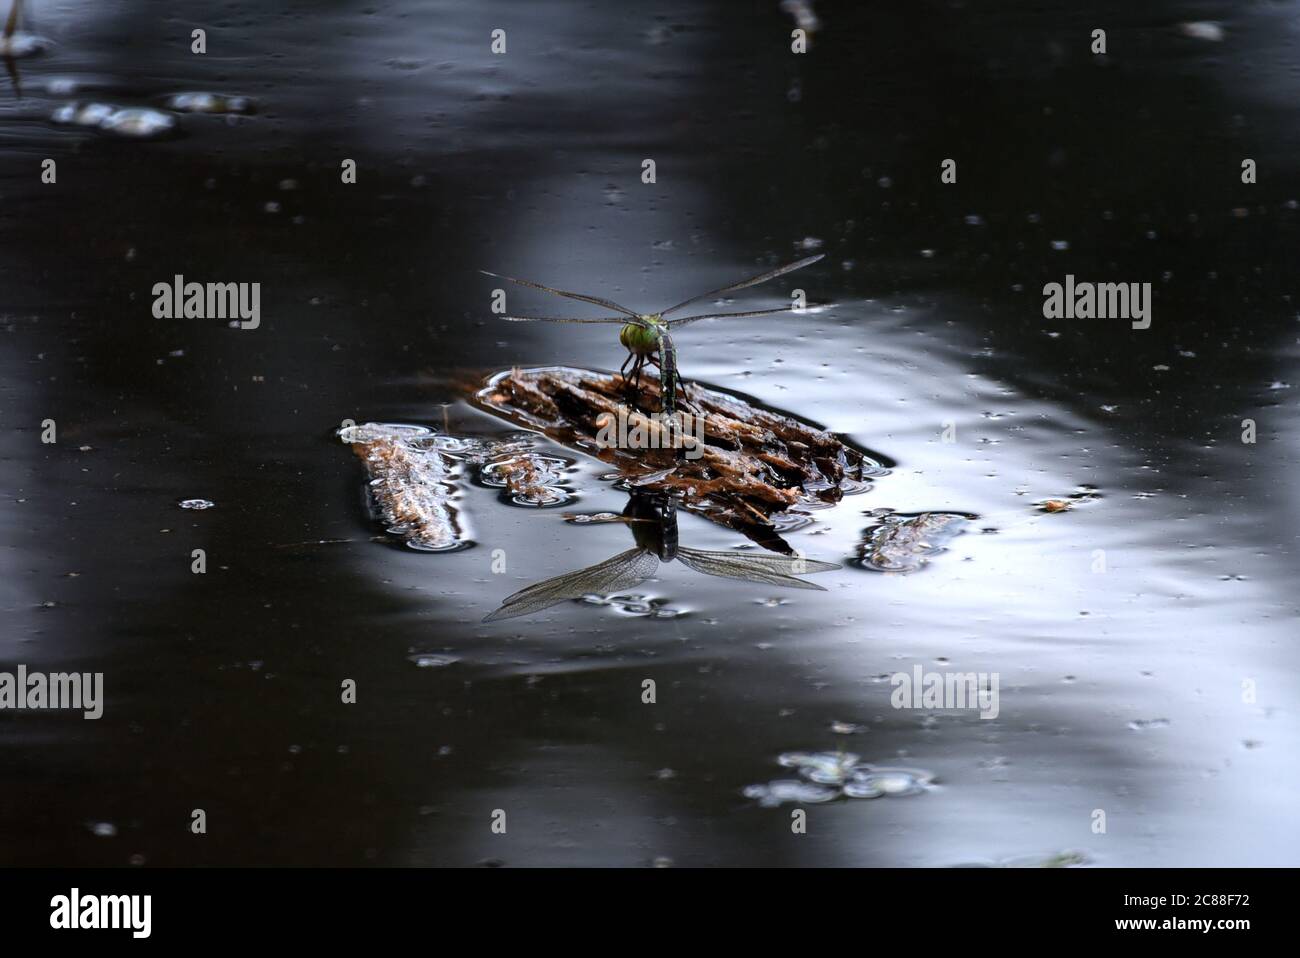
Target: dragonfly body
[653, 520]
[646, 337]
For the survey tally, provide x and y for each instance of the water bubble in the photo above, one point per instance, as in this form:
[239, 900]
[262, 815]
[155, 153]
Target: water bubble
[838, 774]
[1207, 30]
[139, 123]
[209, 103]
[776, 793]
[584, 518]
[824, 768]
[83, 114]
[428, 661]
[892, 781]
[103, 829]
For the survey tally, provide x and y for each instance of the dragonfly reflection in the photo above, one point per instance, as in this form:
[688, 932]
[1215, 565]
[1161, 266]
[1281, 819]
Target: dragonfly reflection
[653, 521]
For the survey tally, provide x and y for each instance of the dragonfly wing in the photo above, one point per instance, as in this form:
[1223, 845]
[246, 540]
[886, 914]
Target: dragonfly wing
[622, 321]
[618, 572]
[771, 569]
[746, 283]
[674, 323]
[594, 300]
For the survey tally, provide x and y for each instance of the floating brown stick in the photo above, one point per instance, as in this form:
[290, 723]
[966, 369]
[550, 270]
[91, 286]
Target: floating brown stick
[410, 483]
[752, 465]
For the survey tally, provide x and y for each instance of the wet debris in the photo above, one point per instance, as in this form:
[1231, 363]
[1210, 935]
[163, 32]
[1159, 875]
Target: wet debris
[416, 475]
[411, 484]
[196, 504]
[826, 776]
[753, 465]
[1081, 496]
[898, 542]
[530, 479]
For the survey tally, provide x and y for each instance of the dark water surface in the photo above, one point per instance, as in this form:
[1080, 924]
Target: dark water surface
[1121, 690]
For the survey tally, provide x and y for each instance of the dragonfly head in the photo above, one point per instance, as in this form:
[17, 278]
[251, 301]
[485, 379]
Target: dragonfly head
[639, 339]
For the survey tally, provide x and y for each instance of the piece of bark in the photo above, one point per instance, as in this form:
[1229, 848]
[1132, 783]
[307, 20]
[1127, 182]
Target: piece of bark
[754, 463]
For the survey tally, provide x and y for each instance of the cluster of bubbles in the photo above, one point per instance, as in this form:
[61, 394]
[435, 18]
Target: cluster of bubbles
[826, 776]
[145, 122]
[638, 605]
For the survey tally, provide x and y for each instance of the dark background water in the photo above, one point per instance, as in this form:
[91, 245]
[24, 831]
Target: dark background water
[222, 689]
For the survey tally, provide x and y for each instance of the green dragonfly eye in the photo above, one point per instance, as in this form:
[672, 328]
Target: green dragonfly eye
[638, 339]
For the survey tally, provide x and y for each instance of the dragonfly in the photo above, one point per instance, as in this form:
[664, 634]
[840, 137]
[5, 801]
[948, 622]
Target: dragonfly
[646, 336]
[653, 520]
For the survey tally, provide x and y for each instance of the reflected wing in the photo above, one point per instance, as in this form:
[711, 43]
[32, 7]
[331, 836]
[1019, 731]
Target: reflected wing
[746, 283]
[674, 323]
[618, 572]
[594, 300]
[772, 569]
[12, 23]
